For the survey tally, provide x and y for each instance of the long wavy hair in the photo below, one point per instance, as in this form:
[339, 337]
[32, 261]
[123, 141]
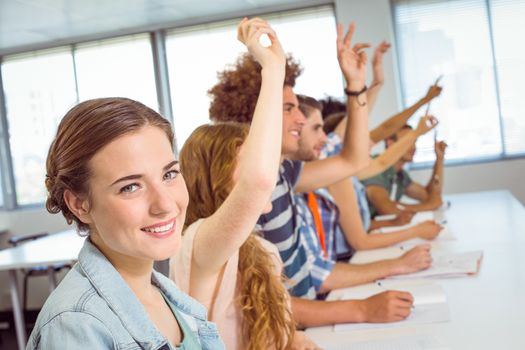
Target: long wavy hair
[208, 160]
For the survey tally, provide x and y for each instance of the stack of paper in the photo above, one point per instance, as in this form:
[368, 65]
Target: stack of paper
[430, 303]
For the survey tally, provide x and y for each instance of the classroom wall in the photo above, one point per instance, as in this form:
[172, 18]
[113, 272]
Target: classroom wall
[374, 23]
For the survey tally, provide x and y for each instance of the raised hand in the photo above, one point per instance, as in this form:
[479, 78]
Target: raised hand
[389, 306]
[352, 60]
[428, 229]
[416, 259]
[439, 148]
[433, 92]
[426, 123]
[377, 62]
[249, 32]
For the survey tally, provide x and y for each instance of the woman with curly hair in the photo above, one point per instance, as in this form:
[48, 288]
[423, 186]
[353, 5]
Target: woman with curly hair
[231, 171]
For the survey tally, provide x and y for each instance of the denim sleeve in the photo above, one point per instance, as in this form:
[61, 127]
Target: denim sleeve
[72, 331]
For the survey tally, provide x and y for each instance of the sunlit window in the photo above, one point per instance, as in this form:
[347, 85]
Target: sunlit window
[482, 70]
[118, 67]
[196, 54]
[39, 89]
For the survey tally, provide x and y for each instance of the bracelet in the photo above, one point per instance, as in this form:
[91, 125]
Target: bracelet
[350, 93]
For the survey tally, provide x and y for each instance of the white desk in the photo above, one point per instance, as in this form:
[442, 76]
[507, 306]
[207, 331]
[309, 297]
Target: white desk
[57, 248]
[487, 311]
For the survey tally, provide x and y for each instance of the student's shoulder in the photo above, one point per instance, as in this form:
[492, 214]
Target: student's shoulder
[72, 310]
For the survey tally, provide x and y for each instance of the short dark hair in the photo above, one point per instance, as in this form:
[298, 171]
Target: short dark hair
[308, 104]
[332, 121]
[332, 105]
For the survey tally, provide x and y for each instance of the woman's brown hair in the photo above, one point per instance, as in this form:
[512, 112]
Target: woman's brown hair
[83, 131]
[208, 160]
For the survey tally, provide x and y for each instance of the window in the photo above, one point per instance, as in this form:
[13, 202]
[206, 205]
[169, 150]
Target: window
[117, 67]
[39, 89]
[196, 54]
[507, 21]
[481, 67]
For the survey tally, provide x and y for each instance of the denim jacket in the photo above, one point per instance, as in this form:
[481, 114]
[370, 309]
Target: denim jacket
[93, 308]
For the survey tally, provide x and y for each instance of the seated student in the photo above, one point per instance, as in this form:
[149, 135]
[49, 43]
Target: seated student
[230, 172]
[336, 214]
[112, 171]
[386, 189]
[234, 99]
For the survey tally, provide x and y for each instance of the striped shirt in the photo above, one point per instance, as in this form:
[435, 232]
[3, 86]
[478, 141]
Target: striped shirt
[322, 265]
[282, 226]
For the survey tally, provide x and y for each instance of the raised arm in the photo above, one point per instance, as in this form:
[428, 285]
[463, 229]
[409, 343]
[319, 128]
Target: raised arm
[393, 153]
[394, 123]
[354, 155]
[220, 235]
[378, 78]
[436, 181]
[350, 220]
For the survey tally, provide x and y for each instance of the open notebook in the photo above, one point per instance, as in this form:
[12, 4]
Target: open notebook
[430, 303]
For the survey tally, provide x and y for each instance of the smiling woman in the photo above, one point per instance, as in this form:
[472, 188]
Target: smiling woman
[112, 171]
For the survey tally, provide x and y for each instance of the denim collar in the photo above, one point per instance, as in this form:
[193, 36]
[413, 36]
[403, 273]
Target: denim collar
[122, 301]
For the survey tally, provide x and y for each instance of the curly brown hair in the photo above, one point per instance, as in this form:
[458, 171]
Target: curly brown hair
[208, 160]
[235, 95]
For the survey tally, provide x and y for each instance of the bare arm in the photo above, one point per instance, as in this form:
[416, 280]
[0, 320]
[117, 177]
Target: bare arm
[379, 198]
[394, 123]
[222, 234]
[354, 155]
[393, 153]
[347, 275]
[378, 74]
[314, 313]
[436, 180]
[388, 306]
[400, 219]
[352, 226]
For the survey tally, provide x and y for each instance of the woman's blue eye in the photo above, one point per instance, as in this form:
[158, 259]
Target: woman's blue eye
[172, 174]
[129, 188]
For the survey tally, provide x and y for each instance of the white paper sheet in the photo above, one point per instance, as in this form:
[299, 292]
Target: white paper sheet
[449, 265]
[430, 303]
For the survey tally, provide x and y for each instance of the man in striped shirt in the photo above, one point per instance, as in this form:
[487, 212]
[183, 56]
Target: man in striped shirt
[233, 99]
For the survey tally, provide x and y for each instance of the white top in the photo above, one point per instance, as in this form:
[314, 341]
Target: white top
[224, 308]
